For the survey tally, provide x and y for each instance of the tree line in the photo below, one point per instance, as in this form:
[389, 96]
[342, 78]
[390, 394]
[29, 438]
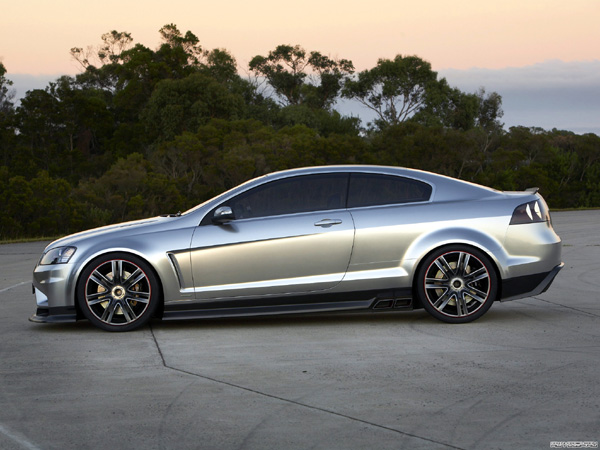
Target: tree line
[141, 132]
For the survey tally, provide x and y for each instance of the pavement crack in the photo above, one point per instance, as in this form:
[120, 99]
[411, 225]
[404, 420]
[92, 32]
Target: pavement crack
[160, 353]
[294, 402]
[568, 307]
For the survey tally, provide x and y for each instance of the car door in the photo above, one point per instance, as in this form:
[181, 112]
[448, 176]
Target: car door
[288, 236]
[387, 211]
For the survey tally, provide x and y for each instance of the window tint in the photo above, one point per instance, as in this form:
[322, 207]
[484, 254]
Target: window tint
[372, 189]
[292, 195]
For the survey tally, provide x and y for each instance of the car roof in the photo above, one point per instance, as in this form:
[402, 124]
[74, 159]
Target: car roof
[445, 188]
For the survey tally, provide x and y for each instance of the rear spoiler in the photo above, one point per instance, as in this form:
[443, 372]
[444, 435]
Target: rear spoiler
[532, 190]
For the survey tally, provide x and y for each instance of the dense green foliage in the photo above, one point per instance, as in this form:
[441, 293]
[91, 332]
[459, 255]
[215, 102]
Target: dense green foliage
[142, 132]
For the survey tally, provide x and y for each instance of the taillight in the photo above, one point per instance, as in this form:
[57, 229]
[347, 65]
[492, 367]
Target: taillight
[531, 212]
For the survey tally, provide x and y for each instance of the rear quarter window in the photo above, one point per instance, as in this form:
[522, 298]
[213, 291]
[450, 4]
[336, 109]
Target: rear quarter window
[373, 190]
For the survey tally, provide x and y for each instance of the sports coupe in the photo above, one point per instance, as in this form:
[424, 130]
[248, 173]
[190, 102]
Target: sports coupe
[336, 238]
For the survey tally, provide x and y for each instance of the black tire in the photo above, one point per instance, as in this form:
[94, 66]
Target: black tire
[457, 284]
[118, 292]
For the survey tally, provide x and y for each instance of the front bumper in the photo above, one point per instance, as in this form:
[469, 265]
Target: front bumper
[529, 285]
[54, 294]
[54, 315]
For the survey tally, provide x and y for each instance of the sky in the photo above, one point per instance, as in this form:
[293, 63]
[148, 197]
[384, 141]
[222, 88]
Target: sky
[541, 56]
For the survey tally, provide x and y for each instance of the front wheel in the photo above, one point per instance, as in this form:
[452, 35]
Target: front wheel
[457, 284]
[118, 292]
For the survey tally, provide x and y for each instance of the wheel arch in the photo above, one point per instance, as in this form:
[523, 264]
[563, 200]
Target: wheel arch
[456, 285]
[117, 251]
[447, 243]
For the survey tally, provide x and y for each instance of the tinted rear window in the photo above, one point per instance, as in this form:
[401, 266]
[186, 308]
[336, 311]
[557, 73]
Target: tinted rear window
[372, 190]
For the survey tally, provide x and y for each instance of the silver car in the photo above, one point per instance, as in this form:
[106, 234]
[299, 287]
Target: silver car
[334, 238]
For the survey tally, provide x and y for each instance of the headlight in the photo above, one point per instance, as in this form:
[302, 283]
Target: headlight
[58, 255]
[531, 212]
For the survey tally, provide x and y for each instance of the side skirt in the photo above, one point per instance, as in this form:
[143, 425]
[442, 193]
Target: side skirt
[363, 301]
[266, 310]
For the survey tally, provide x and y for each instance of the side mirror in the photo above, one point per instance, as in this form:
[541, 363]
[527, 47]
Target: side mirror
[223, 215]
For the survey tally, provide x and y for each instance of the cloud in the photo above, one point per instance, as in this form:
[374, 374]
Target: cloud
[23, 82]
[551, 94]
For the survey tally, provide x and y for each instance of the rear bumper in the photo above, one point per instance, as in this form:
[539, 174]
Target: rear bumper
[529, 285]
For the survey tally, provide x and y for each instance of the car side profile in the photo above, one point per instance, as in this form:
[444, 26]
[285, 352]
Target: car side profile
[334, 238]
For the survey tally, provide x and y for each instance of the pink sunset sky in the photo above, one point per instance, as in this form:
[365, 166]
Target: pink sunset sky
[459, 37]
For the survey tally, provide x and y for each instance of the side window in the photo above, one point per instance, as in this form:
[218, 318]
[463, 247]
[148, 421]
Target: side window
[292, 195]
[372, 189]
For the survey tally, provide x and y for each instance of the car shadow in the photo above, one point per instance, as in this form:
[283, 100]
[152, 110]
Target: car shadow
[498, 315]
[291, 320]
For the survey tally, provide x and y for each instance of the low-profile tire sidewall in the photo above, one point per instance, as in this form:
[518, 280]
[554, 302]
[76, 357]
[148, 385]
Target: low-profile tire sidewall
[420, 283]
[155, 295]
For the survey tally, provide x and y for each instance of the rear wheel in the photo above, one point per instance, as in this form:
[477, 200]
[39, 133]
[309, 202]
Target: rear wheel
[118, 292]
[457, 284]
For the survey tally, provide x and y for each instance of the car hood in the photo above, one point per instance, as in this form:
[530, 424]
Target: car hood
[127, 227]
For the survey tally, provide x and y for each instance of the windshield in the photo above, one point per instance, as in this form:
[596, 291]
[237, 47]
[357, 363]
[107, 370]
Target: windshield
[195, 208]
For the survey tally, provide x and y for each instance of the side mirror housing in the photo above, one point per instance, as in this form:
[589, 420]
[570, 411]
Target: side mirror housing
[223, 215]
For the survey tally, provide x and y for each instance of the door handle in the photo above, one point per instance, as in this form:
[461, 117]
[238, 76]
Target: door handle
[327, 222]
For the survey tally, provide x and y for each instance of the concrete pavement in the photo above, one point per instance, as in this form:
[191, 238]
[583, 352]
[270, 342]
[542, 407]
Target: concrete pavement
[522, 376]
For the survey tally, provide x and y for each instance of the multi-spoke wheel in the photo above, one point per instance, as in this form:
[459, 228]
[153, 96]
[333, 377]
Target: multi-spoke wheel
[118, 292]
[457, 284]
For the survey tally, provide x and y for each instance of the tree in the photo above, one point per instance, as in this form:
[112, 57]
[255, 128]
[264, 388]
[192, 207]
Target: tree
[129, 190]
[482, 113]
[7, 133]
[63, 126]
[183, 105]
[221, 66]
[6, 93]
[588, 152]
[114, 43]
[53, 197]
[324, 121]
[39, 129]
[437, 149]
[189, 43]
[489, 111]
[451, 108]
[394, 89]
[448, 107]
[17, 209]
[298, 77]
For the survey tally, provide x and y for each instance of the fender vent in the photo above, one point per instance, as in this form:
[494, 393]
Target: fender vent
[403, 302]
[384, 304]
[394, 303]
